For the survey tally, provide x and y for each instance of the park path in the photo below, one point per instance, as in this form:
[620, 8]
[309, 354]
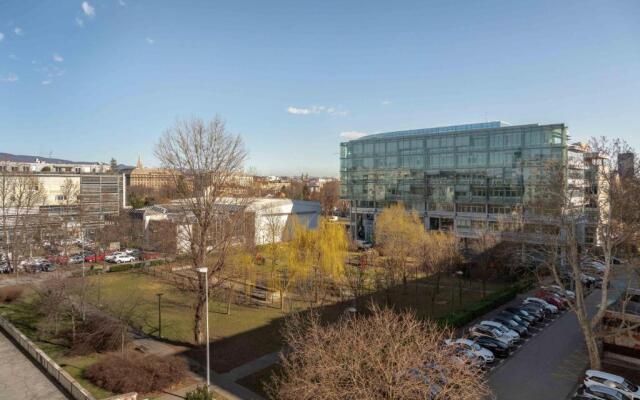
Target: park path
[20, 378]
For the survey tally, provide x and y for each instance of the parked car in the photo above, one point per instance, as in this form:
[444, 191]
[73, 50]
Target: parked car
[484, 330]
[515, 336]
[5, 268]
[552, 309]
[512, 324]
[599, 392]
[477, 350]
[93, 258]
[121, 259]
[76, 259]
[551, 299]
[111, 257]
[594, 377]
[498, 348]
[516, 318]
[523, 314]
[533, 316]
[560, 291]
[536, 309]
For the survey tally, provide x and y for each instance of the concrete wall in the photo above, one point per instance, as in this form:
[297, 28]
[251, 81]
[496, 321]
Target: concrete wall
[48, 365]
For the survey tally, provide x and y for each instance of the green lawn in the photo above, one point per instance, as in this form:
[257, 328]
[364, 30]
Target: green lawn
[25, 317]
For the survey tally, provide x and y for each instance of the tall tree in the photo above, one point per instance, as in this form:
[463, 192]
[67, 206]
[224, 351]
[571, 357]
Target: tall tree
[398, 233]
[204, 159]
[329, 197]
[21, 194]
[611, 212]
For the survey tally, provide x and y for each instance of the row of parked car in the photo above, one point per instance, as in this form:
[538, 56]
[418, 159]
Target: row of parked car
[499, 336]
[599, 385]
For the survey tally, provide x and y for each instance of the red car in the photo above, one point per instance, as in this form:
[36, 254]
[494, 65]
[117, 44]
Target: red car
[551, 299]
[94, 258]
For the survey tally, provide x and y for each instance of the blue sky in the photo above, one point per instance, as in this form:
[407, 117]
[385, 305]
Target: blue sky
[92, 80]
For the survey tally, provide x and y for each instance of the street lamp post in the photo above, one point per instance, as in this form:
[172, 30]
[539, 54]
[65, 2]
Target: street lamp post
[205, 271]
[159, 314]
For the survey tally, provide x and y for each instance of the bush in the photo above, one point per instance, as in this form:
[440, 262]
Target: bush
[200, 393]
[463, 317]
[10, 294]
[135, 372]
[98, 333]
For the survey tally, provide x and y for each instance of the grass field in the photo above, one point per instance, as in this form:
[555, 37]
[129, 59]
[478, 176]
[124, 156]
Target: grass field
[24, 316]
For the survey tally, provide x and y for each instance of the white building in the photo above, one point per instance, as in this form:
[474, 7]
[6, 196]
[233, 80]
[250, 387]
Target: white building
[267, 219]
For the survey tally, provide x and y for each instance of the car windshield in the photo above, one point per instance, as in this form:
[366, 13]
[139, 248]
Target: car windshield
[629, 386]
[476, 347]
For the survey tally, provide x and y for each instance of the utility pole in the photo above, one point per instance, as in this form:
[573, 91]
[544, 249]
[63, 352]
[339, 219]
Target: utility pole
[159, 314]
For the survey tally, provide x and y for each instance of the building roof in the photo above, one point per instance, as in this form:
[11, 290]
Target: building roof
[436, 130]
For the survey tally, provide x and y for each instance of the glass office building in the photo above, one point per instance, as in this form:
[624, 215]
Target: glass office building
[467, 178]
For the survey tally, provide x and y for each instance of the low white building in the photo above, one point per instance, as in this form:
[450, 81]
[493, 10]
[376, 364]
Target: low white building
[266, 219]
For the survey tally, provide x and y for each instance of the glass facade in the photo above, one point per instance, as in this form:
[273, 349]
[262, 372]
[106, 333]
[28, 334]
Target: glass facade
[461, 177]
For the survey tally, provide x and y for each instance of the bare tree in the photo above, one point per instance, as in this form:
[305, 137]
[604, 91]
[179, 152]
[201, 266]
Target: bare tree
[381, 356]
[329, 197]
[204, 159]
[21, 194]
[607, 210]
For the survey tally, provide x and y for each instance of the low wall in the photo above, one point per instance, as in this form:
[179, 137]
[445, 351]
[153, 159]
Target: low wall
[54, 370]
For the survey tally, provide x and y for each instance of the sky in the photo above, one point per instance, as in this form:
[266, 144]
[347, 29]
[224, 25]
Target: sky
[91, 80]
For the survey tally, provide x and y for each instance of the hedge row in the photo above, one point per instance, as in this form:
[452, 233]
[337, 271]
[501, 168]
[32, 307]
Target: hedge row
[135, 265]
[122, 267]
[462, 317]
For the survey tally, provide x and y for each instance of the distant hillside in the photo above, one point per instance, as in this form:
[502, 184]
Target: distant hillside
[31, 159]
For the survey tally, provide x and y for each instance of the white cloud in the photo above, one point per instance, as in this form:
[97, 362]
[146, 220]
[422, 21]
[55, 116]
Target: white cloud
[80, 22]
[150, 41]
[13, 57]
[57, 58]
[1, 36]
[18, 31]
[386, 102]
[88, 9]
[122, 3]
[298, 111]
[315, 110]
[47, 82]
[9, 78]
[350, 135]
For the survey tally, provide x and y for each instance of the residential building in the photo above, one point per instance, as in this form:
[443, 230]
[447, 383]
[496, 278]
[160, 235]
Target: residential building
[468, 179]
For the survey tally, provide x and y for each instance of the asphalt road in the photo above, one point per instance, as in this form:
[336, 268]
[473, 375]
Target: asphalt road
[547, 366]
[20, 379]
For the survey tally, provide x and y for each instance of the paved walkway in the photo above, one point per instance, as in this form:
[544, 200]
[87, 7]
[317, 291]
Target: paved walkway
[20, 379]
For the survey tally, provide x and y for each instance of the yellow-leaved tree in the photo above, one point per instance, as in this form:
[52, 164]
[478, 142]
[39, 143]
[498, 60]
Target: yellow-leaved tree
[315, 258]
[398, 235]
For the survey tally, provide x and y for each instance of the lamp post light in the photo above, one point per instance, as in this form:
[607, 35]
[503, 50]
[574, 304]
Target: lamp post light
[159, 314]
[205, 271]
[459, 274]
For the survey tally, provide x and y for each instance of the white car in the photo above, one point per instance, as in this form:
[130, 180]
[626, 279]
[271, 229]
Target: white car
[563, 292]
[507, 331]
[473, 347]
[120, 259]
[489, 331]
[111, 257]
[549, 307]
[615, 382]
